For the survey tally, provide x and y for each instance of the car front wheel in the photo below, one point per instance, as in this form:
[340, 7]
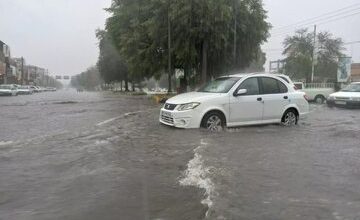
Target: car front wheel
[213, 121]
[290, 118]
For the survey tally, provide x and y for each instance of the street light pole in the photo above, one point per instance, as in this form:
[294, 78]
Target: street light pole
[313, 57]
[22, 71]
[169, 49]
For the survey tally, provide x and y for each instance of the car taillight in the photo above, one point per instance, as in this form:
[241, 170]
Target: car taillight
[306, 97]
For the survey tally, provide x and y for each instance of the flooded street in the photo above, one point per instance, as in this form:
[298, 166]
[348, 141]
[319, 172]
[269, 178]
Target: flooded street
[68, 155]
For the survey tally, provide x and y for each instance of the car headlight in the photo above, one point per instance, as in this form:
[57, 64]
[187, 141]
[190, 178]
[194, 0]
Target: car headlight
[188, 106]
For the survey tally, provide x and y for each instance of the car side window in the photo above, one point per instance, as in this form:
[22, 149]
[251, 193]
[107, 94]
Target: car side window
[283, 88]
[272, 86]
[251, 85]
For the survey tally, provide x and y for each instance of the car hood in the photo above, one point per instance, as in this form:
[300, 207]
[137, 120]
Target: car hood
[346, 94]
[193, 97]
[5, 90]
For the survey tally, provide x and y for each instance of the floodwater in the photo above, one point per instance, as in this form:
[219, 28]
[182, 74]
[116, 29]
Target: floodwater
[68, 155]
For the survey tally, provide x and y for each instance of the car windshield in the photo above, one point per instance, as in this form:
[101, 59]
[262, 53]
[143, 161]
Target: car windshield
[220, 85]
[352, 88]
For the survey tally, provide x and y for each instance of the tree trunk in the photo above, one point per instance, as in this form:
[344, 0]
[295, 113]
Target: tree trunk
[133, 85]
[121, 85]
[126, 83]
[204, 62]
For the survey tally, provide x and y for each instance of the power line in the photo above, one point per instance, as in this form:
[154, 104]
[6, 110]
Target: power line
[339, 18]
[325, 22]
[352, 42]
[320, 16]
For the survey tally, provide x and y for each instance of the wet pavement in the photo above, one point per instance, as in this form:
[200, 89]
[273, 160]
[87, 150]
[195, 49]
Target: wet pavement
[69, 155]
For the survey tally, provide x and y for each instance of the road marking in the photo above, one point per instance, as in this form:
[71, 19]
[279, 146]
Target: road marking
[122, 116]
[4, 143]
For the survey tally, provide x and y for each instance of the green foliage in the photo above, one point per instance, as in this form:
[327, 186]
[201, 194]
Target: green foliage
[87, 80]
[299, 52]
[202, 35]
[111, 66]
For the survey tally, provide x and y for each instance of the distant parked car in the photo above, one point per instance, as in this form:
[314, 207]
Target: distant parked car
[8, 90]
[25, 90]
[242, 99]
[35, 89]
[50, 89]
[42, 89]
[347, 97]
[317, 92]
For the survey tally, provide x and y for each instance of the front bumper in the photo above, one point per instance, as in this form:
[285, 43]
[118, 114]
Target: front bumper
[180, 119]
[343, 103]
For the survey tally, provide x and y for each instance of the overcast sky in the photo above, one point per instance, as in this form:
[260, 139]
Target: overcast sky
[60, 34]
[287, 12]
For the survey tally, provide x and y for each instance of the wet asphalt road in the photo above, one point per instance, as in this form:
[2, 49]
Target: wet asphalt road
[68, 155]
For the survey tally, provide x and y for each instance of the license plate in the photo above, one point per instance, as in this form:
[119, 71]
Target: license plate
[340, 102]
[166, 114]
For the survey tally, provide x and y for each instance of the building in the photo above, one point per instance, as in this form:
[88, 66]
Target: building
[35, 74]
[355, 72]
[4, 62]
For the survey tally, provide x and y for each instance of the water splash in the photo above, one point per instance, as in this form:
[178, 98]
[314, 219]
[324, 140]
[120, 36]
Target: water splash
[197, 174]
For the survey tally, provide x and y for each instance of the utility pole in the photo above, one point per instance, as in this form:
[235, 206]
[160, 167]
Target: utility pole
[22, 71]
[235, 29]
[169, 50]
[314, 56]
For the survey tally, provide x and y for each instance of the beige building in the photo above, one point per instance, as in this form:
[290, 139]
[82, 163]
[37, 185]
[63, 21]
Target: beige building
[355, 72]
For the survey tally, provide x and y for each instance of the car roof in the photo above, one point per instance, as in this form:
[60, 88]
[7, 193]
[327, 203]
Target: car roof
[255, 73]
[355, 83]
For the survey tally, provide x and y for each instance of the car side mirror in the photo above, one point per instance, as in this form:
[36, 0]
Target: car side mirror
[241, 92]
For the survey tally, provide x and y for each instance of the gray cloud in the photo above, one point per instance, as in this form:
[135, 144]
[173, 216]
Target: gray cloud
[60, 34]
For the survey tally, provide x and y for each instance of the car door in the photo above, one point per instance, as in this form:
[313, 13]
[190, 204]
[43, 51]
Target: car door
[275, 97]
[247, 107]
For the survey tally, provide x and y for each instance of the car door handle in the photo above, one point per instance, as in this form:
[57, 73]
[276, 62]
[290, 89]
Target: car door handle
[259, 99]
[285, 97]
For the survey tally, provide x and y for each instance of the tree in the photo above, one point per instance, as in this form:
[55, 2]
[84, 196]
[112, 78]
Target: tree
[299, 51]
[110, 64]
[88, 80]
[203, 34]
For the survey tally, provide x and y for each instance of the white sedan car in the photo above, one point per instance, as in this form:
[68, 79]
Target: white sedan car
[236, 100]
[25, 90]
[8, 90]
[347, 97]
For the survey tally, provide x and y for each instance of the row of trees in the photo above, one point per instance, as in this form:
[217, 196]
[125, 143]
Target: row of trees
[205, 38]
[300, 49]
[88, 80]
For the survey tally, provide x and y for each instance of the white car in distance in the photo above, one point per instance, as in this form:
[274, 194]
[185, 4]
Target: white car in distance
[347, 97]
[8, 90]
[236, 100]
[25, 90]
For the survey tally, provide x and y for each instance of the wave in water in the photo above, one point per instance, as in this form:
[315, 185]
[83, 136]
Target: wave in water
[197, 174]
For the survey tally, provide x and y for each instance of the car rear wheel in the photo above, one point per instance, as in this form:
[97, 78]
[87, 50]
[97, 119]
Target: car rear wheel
[213, 122]
[290, 118]
[319, 99]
